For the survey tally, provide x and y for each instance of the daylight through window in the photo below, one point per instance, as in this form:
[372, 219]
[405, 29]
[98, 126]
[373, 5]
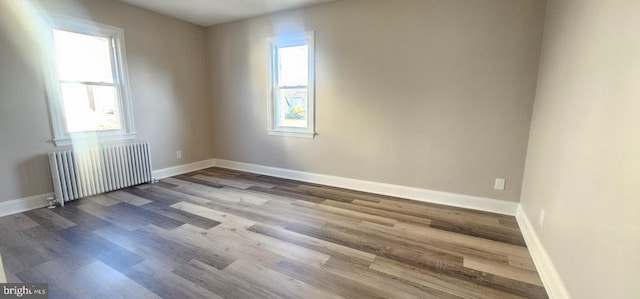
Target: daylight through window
[90, 93]
[291, 99]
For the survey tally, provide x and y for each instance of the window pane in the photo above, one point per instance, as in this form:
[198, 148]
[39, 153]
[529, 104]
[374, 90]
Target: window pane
[292, 108]
[293, 66]
[81, 57]
[90, 108]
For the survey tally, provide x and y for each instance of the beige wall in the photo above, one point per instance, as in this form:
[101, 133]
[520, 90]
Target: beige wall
[168, 78]
[583, 161]
[431, 93]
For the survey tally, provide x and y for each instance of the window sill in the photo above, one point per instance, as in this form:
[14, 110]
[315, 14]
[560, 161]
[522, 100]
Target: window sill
[84, 138]
[309, 135]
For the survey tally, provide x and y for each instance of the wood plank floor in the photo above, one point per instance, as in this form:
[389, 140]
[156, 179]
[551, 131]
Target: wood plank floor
[222, 233]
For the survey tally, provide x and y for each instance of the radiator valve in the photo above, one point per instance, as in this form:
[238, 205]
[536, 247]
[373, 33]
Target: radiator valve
[52, 202]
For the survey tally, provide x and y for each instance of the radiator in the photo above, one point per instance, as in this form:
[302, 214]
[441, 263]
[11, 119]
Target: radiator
[80, 173]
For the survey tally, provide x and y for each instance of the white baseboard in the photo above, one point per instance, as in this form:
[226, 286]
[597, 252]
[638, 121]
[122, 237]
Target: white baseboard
[418, 194]
[24, 204]
[180, 169]
[424, 195]
[547, 271]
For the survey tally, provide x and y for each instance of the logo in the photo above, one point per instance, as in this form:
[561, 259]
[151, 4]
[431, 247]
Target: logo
[24, 290]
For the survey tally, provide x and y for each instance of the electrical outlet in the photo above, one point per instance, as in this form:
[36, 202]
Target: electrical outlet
[541, 220]
[499, 185]
[179, 154]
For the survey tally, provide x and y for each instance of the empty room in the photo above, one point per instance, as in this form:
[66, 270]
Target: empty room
[319, 149]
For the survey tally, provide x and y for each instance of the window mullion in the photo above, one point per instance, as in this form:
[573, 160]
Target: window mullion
[89, 83]
[294, 87]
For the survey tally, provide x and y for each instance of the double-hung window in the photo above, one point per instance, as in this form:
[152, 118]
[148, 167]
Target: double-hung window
[291, 85]
[89, 94]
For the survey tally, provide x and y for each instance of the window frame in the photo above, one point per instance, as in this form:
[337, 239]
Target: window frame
[61, 136]
[290, 40]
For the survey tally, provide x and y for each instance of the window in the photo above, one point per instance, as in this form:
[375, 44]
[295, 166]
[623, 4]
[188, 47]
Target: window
[89, 94]
[291, 85]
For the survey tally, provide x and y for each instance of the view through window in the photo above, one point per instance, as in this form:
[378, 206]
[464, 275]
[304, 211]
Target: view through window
[293, 83]
[87, 86]
[291, 98]
[87, 83]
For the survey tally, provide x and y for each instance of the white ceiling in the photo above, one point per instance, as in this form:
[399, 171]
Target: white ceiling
[211, 12]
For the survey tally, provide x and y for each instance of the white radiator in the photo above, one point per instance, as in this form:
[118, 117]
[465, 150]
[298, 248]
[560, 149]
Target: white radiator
[85, 172]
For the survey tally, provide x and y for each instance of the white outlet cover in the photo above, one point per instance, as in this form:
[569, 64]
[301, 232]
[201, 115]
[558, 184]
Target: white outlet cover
[541, 220]
[500, 183]
[178, 154]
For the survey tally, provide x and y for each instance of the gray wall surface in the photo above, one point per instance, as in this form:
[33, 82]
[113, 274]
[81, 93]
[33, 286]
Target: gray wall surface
[427, 93]
[583, 161]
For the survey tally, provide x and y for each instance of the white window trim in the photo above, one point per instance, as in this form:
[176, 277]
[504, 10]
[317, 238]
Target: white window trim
[119, 65]
[305, 38]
